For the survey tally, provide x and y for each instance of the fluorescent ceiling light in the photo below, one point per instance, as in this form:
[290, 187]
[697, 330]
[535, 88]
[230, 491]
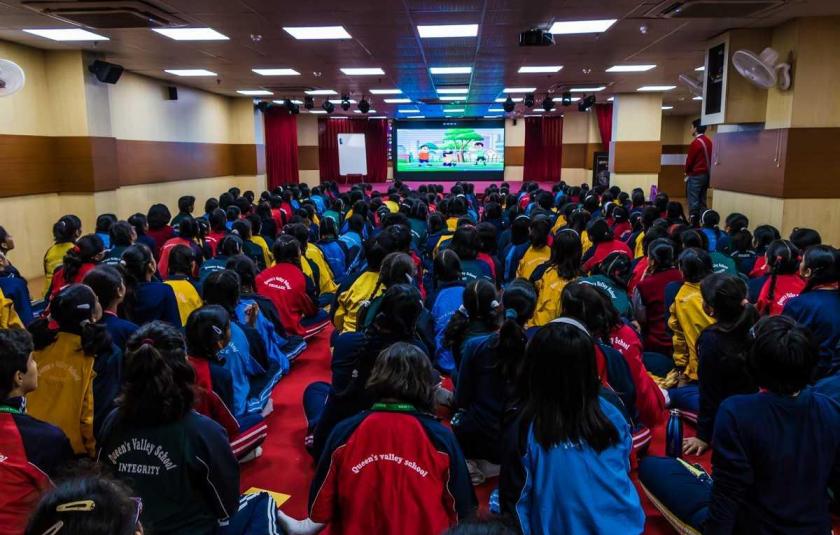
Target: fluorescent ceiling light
[320, 112]
[495, 109]
[630, 68]
[338, 117]
[697, 98]
[454, 110]
[450, 70]
[283, 101]
[537, 69]
[657, 88]
[575, 99]
[397, 100]
[317, 32]
[254, 92]
[537, 110]
[453, 90]
[360, 111]
[667, 107]
[191, 34]
[339, 101]
[448, 30]
[454, 98]
[492, 116]
[319, 92]
[363, 71]
[701, 68]
[190, 72]
[587, 89]
[386, 91]
[378, 117]
[416, 117]
[519, 90]
[581, 26]
[412, 110]
[276, 72]
[68, 34]
[515, 99]
[610, 99]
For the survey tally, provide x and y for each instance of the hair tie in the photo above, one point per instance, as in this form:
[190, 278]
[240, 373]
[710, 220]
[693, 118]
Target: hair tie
[148, 341]
[76, 249]
[511, 313]
[463, 310]
[494, 304]
[217, 330]
[573, 323]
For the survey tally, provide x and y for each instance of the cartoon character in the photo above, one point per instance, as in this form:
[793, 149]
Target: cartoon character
[478, 150]
[423, 156]
[449, 159]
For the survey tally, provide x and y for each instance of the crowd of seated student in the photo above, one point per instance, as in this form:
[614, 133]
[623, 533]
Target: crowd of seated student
[555, 328]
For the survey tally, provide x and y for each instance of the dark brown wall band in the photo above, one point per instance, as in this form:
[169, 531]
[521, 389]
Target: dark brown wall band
[636, 156]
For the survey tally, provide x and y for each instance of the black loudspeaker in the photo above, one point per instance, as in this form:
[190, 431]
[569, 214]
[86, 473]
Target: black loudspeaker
[171, 92]
[107, 73]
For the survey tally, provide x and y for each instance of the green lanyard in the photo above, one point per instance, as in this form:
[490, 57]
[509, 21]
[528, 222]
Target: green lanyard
[394, 407]
[10, 410]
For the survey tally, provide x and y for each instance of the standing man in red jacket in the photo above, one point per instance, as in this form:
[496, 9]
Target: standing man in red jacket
[698, 164]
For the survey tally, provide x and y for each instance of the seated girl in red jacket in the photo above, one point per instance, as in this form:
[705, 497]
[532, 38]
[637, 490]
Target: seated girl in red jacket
[394, 468]
[80, 259]
[784, 282]
[292, 292]
[603, 243]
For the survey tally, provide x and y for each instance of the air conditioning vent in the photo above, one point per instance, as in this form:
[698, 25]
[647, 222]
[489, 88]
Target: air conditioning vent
[108, 15]
[714, 9]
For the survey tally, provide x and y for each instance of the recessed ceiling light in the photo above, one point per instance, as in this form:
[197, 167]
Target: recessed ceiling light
[317, 32]
[192, 34]
[532, 115]
[363, 71]
[413, 110]
[515, 99]
[454, 98]
[190, 72]
[319, 112]
[339, 101]
[537, 69]
[385, 91]
[397, 100]
[454, 110]
[630, 68]
[587, 89]
[68, 34]
[495, 109]
[697, 98]
[450, 70]
[575, 99]
[319, 92]
[657, 88]
[360, 111]
[276, 72]
[519, 90]
[667, 107]
[700, 68]
[293, 101]
[448, 30]
[492, 116]
[581, 26]
[537, 110]
[378, 117]
[453, 90]
[254, 92]
[416, 117]
[610, 99]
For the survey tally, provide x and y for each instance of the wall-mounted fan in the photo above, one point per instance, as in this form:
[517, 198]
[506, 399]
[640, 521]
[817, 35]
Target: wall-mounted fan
[12, 78]
[763, 70]
[693, 84]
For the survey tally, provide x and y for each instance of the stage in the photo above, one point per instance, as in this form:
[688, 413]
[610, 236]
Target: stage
[480, 185]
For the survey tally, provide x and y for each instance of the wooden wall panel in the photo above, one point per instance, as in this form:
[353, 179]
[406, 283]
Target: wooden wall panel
[674, 149]
[148, 162]
[672, 180]
[574, 155]
[811, 163]
[248, 159]
[750, 161]
[516, 156]
[636, 156]
[26, 166]
[308, 158]
[591, 149]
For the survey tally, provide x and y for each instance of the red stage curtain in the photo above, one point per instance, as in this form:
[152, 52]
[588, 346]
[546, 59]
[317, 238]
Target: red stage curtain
[281, 148]
[543, 149]
[376, 146]
[604, 113]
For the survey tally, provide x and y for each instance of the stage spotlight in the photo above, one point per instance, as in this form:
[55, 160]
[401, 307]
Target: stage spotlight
[263, 106]
[345, 102]
[509, 105]
[308, 102]
[548, 103]
[586, 103]
[328, 106]
[295, 109]
[529, 101]
[364, 106]
[566, 98]
[288, 104]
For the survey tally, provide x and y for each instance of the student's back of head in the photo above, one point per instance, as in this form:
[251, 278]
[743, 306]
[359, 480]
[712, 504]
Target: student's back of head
[181, 260]
[695, 264]
[783, 355]
[661, 254]
[186, 204]
[76, 310]
[447, 266]
[286, 250]
[104, 223]
[566, 253]
[299, 231]
[764, 235]
[66, 229]
[222, 288]
[207, 332]
[519, 301]
[158, 216]
[403, 373]
[599, 231]
[481, 305]
[735, 222]
[726, 295]
[617, 267]
[15, 348]
[804, 238]
[245, 268]
[107, 283]
[820, 267]
[122, 234]
[88, 250]
[465, 242]
[397, 317]
[243, 228]
[188, 228]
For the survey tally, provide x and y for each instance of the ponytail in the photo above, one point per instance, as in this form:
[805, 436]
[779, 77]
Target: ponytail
[520, 301]
[782, 259]
[134, 262]
[73, 309]
[480, 304]
[824, 263]
[85, 251]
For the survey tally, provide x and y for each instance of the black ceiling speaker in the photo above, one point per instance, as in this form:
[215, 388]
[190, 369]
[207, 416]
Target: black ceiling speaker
[345, 102]
[509, 105]
[364, 106]
[548, 103]
[566, 98]
[295, 109]
[529, 100]
[536, 37]
[107, 73]
[328, 106]
[288, 104]
[263, 106]
[586, 103]
[308, 102]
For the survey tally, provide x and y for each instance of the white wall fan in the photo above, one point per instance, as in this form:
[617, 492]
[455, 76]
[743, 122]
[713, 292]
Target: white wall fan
[12, 78]
[694, 85]
[763, 70]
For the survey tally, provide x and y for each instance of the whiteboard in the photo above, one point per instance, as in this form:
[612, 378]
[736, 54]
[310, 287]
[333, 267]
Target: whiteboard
[352, 157]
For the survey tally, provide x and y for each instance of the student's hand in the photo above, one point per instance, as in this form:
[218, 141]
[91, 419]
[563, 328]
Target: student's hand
[291, 526]
[694, 446]
[682, 380]
[251, 314]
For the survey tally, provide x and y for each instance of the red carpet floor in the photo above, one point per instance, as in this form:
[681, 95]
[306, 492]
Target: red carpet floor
[286, 467]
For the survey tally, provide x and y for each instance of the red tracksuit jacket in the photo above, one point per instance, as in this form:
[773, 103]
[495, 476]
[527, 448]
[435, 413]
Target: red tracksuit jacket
[292, 294]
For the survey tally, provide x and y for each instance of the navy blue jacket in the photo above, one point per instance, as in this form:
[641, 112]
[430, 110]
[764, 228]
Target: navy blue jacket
[819, 310]
[119, 329]
[15, 288]
[155, 301]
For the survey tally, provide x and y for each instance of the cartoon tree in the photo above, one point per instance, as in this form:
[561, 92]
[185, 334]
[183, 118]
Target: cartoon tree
[461, 139]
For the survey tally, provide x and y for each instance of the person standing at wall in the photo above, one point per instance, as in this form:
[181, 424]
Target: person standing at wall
[698, 164]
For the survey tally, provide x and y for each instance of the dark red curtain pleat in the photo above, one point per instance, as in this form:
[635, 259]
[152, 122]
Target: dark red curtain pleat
[604, 113]
[376, 146]
[543, 149]
[281, 148]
